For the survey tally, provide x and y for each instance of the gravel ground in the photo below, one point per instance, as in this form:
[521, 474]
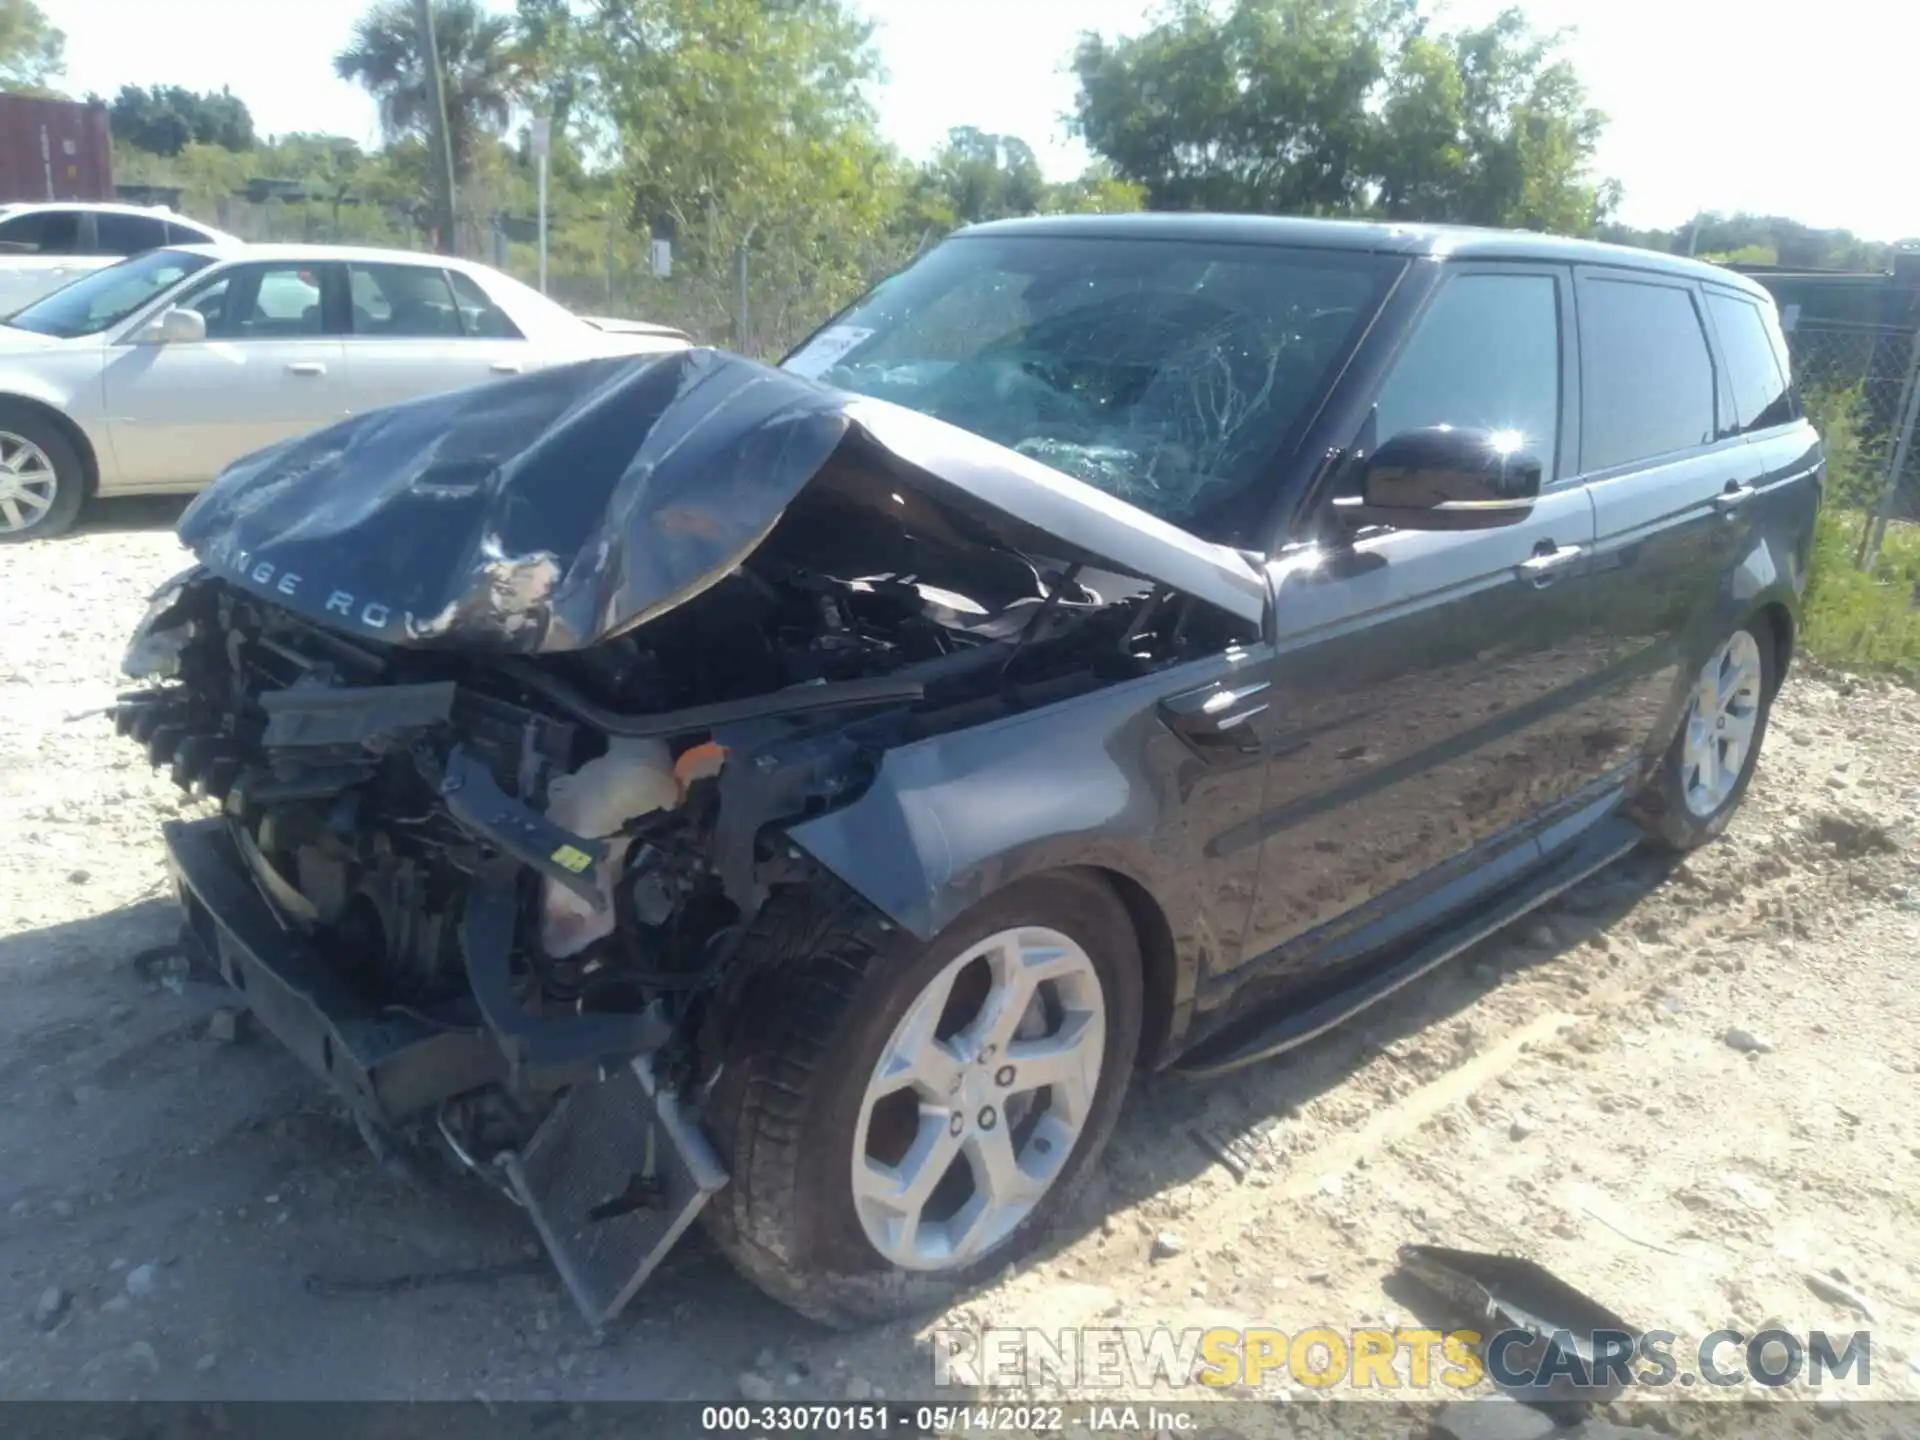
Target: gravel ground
[175, 1203]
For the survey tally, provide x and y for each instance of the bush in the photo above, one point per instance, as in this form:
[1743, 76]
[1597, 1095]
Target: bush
[1863, 619]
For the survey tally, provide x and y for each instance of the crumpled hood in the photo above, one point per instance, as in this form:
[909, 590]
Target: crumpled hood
[547, 512]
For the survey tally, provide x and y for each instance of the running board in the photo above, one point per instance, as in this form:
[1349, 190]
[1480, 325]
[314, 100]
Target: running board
[1606, 843]
[612, 1179]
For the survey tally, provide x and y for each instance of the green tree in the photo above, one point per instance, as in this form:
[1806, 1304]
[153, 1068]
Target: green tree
[1261, 107]
[477, 65]
[977, 176]
[546, 42]
[745, 126]
[1097, 191]
[1488, 127]
[1340, 107]
[33, 52]
[164, 119]
[1760, 239]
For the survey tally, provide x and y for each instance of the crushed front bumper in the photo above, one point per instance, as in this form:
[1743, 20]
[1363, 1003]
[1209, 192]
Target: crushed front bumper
[387, 1066]
[611, 1179]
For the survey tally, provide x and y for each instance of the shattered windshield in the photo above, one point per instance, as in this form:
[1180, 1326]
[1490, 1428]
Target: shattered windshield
[1169, 374]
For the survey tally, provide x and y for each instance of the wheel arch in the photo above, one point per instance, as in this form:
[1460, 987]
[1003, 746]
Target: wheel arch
[1776, 620]
[1160, 963]
[68, 428]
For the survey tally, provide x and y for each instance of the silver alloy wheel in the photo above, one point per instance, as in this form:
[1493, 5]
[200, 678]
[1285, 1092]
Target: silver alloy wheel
[1720, 722]
[27, 483]
[978, 1098]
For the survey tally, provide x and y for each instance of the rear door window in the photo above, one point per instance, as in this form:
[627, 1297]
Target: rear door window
[478, 313]
[128, 234]
[1646, 374]
[403, 302]
[41, 232]
[1760, 396]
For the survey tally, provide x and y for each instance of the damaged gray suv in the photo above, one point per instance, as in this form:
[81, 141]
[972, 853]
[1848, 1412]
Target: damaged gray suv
[799, 799]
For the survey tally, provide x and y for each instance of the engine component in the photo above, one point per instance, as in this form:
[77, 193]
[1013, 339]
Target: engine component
[634, 778]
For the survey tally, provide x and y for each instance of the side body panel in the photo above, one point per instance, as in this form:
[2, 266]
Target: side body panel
[179, 413]
[386, 371]
[1691, 545]
[1437, 694]
[1100, 781]
[1432, 697]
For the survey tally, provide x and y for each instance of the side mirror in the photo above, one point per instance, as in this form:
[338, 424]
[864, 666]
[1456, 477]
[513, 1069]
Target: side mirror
[1441, 478]
[175, 326]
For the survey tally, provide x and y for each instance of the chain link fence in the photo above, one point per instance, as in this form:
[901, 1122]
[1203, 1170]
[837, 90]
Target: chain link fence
[759, 300]
[1855, 347]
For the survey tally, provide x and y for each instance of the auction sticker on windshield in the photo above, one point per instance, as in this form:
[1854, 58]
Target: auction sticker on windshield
[820, 354]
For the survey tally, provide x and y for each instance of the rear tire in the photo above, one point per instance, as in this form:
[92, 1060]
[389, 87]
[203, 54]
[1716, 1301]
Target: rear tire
[797, 1123]
[1703, 777]
[43, 484]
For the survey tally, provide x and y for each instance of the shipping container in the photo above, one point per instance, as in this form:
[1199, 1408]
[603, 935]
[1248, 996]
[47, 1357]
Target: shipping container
[54, 150]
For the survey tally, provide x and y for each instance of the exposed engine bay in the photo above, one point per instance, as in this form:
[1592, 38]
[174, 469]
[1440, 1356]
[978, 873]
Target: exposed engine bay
[335, 759]
[555, 858]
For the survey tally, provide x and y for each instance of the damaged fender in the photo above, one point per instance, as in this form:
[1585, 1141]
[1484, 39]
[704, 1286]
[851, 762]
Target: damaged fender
[1090, 782]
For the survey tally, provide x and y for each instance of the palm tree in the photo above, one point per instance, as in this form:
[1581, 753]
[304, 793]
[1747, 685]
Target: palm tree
[476, 70]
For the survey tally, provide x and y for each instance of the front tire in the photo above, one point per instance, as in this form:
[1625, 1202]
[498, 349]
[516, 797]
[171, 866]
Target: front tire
[902, 1121]
[43, 485]
[1705, 773]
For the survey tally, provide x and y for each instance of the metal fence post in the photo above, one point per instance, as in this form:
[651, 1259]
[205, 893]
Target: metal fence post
[1909, 413]
[740, 316]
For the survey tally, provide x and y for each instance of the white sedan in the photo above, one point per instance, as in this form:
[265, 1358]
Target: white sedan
[150, 376]
[46, 245]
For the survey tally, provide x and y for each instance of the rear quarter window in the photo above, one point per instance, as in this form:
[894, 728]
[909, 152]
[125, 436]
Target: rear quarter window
[1646, 374]
[1760, 395]
[118, 234]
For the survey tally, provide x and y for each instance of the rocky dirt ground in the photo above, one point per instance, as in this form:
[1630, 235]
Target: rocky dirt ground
[1681, 1090]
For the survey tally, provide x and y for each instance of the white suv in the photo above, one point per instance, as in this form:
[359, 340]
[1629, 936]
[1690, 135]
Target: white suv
[43, 247]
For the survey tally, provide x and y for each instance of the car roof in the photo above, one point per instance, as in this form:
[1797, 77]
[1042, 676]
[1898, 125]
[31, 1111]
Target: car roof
[98, 207]
[105, 207]
[321, 253]
[1451, 242]
[12, 208]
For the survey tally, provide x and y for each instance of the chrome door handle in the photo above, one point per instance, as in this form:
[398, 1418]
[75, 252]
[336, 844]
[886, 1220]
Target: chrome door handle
[307, 367]
[1731, 498]
[1543, 565]
[506, 367]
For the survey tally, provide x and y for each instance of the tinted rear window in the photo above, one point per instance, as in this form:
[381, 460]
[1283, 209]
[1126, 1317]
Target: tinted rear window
[128, 234]
[1760, 397]
[1646, 375]
[41, 232]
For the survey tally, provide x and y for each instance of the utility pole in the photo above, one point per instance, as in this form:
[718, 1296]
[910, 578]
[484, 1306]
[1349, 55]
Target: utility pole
[740, 316]
[542, 138]
[437, 129]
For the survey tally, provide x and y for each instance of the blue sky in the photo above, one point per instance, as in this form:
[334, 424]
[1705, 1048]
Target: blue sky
[1798, 112]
